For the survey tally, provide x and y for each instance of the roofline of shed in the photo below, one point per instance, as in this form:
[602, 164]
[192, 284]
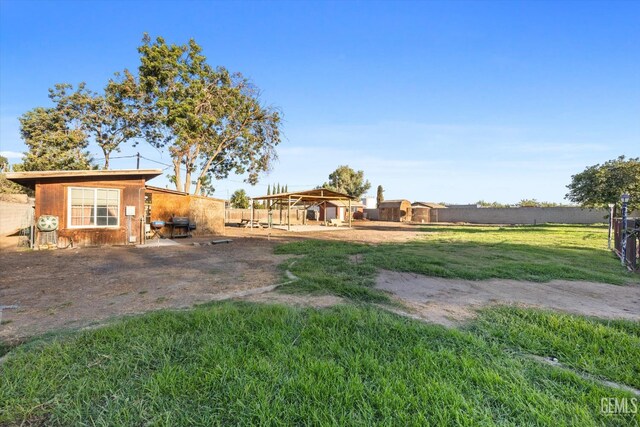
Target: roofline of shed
[29, 179]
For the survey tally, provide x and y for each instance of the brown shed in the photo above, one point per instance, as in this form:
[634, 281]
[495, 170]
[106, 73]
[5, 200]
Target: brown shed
[92, 207]
[421, 211]
[395, 210]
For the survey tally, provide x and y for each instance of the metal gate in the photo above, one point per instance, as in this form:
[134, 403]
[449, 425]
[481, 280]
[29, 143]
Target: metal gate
[633, 242]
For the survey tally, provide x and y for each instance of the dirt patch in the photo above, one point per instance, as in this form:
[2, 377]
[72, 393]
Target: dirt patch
[321, 301]
[451, 301]
[78, 287]
[361, 232]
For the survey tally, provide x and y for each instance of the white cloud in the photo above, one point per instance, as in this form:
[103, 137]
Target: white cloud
[12, 154]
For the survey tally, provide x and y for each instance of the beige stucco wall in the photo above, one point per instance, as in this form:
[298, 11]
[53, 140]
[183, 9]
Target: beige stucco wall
[561, 215]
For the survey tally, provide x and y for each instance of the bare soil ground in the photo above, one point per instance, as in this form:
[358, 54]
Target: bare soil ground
[362, 232]
[451, 301]
[74, 288]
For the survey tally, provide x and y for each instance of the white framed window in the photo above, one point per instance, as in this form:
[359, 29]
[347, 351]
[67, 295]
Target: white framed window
[93, 207]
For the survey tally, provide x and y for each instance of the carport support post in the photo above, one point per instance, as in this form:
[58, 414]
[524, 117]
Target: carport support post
[251, 217]
[350, 215]
[325, 212]
[289, 215]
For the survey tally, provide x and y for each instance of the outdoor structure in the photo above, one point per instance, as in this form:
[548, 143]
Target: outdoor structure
[369, 202]
[395, 210]
[319, 197]
[88, 207]
[421, 211]
[205, 214]
[338, 209]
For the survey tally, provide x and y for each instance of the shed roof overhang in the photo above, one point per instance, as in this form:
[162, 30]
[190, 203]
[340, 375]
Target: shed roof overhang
[308, 196]
[29, 179]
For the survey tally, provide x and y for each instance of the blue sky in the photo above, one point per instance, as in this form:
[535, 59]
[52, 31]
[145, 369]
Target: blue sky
[440, 101]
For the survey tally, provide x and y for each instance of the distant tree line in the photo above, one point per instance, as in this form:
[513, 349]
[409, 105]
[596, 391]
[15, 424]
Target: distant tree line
[524, 203]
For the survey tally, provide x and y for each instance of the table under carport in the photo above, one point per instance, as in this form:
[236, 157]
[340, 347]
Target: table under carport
[307, 199]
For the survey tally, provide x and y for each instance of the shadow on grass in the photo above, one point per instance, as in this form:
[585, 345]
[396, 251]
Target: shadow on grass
[328, 267]
[501, 260]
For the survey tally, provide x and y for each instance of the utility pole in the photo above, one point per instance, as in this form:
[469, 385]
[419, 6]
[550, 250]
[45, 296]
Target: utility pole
[138, 161]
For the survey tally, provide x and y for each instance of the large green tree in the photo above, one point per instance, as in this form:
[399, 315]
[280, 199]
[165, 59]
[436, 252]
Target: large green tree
[55, 140]
[601, 184]
[211, 120]
[239, 199]
[346, 180]
[110, 118]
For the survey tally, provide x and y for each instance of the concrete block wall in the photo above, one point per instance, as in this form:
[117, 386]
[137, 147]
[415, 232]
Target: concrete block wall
[13, 216]
[562, 215]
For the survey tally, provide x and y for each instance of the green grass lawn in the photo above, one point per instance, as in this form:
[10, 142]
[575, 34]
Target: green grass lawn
[356, 364]
[534, 253]
[234, 363]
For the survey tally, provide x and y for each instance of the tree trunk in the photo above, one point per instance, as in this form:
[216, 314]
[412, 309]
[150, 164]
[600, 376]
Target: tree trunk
[176, 171]
[187, 180]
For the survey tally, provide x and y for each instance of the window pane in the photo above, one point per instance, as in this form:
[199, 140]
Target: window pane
[94, 207]
[89, 194]
[113, 196]
[76, 196]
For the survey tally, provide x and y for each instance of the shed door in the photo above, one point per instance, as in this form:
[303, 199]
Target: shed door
[330, 213]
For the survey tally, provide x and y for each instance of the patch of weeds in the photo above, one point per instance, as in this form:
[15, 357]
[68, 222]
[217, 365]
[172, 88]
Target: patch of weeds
[142, 292]
[160, 300]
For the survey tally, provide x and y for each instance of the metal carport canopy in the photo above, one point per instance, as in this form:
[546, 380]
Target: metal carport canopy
[315, 196]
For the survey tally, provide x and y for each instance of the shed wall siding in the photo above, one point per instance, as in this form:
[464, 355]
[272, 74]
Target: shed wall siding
[207, 213]
[52, 198]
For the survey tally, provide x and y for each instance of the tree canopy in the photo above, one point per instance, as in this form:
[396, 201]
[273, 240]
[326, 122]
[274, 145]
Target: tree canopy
[346, 180]
[211, 120]
[239, 199]
[55, 139]
[599, 185]
[109, 118]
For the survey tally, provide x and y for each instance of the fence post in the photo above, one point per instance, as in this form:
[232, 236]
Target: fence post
[625, 200]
